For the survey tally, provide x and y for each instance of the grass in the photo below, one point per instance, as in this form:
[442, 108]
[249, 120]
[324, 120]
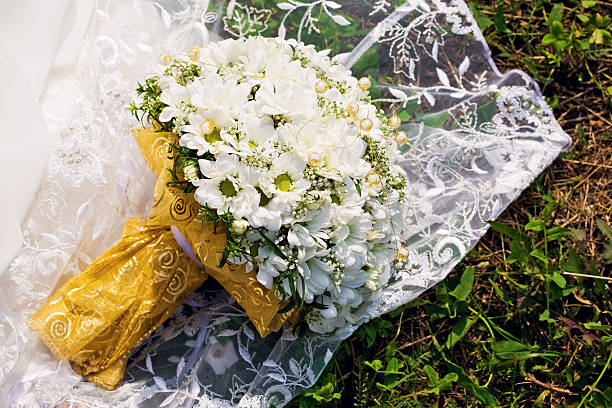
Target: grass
[516, 324]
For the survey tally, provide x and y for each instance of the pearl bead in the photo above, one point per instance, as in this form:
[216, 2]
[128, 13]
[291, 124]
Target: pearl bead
[321, 86]
[373, 179]
[366, 124]
[314, 160]
[394, 122]
[165, 59]
[207, 127]
[194, 53]
[402, 253]
[352, 108]
[364, 83]
[401, 137]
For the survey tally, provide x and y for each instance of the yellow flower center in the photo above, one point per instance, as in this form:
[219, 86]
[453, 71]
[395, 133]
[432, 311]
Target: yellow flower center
[283, 182]
[227, 188]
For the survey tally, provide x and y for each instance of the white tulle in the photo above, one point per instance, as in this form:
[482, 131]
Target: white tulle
[477, 138]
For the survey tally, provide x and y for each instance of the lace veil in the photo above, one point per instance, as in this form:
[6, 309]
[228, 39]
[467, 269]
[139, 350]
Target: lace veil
[477, 139]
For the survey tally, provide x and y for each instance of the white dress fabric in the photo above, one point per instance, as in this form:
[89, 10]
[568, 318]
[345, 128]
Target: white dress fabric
[36, 38]
[477, 139]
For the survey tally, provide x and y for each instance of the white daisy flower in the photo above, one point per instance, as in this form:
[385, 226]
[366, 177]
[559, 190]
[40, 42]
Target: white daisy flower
[224, 188]
[284, 183]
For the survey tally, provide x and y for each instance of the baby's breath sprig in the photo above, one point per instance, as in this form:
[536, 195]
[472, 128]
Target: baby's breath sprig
[183, 72]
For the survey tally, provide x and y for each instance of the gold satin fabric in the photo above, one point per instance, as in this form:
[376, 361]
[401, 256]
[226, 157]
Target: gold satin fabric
[98, 316]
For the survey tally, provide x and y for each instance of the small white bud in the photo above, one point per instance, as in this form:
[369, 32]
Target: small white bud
[191, 172]
[239, 227]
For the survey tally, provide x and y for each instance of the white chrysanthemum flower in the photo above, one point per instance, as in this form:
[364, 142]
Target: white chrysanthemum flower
[347, 204]
[335, 141]
[379, 267]
[316, 278]
[175, 96]
[198, 136]
[264, 217]
[284, 183]
[218, 100]
[225, 189]
[271, 266]
[351, 247]
[295, 101]
[258, 136]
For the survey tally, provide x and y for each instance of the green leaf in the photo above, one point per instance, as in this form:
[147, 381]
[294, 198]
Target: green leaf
[549, 39]
[500, 293]
[535, 224]
[368, 61]
[376, 365]
[540, 255]
[556, 233]
[463, 289]
[358, 188]
[224, 257]
[500, 20]
[506, 230]
[584, 18]
[559, 279]
[548, 209]
[479, 392]
[574, 262]
[446, 382]
[556, 29]
[556, 14]
[545, 317]
[597, 326]
[604, 228]
[509, 347]
[432, 376]
[294, 294]
[518, 252]
[597, 37]
[288, 307]
[482, 20]
[506, 334]
[588, 3]
[459, 330]
[393, 365]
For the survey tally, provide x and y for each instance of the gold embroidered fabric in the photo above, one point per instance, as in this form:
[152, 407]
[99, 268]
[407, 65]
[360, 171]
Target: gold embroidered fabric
[98, 316]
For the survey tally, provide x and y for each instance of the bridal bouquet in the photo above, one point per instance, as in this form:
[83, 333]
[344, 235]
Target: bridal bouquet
[276, 174]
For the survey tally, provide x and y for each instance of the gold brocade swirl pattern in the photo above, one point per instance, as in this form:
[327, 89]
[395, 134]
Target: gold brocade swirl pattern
[98, 316]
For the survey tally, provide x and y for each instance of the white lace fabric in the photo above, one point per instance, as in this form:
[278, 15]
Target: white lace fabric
[477, 139]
